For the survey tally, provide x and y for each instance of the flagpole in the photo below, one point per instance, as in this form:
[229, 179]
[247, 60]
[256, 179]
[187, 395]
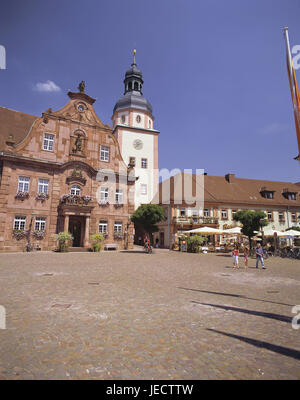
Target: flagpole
[293, 84]
[289, 60]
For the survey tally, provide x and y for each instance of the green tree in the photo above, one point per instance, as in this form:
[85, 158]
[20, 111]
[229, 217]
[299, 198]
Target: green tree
[251, 221]
[294, 228]
[147, 216]
[195, 243]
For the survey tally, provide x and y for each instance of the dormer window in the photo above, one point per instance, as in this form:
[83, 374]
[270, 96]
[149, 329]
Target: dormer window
[289, 195]
[267, 194]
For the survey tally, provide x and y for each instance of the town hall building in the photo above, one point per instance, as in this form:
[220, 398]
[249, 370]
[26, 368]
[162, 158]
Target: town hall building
[67, 171]
[62, 172]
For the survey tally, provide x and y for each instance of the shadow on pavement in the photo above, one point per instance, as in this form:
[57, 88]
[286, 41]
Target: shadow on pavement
[277, 317]
[241, 296]
[286, 351]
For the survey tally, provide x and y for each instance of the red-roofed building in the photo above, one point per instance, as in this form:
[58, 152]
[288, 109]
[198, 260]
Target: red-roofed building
[217, 198]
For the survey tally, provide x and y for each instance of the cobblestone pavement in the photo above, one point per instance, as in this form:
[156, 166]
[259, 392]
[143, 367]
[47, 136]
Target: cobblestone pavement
[169, 315]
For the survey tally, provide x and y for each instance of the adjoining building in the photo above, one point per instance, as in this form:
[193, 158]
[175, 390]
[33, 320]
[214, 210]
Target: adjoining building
[218, 198]
[62, 172]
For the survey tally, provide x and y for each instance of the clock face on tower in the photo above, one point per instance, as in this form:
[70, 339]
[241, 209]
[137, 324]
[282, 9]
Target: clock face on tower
[138, 144]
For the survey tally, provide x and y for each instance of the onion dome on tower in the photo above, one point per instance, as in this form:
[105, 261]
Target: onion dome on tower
[133, 95]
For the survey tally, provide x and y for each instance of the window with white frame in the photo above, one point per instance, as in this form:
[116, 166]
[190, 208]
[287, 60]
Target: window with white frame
[144, 163]
[233, 212]
[75, 190]
[291, 196]
[118, 227]
[103, 227]
[195, 212]
[104, 153]
[182, 212]
[48, 143]
[40, 224]
[104, 194]
[119, 196]
[19, 223]
[43, 186]
[206, 212]
[143, 188]
[224, 214]
[23, 185]
[294, 217]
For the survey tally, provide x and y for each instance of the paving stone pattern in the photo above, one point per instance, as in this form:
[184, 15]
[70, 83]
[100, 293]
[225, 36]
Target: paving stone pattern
[131, 315]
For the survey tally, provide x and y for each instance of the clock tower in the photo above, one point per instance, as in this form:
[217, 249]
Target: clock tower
[133, 127]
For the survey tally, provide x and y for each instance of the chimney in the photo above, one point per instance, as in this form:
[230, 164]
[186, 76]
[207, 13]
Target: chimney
[230, 178]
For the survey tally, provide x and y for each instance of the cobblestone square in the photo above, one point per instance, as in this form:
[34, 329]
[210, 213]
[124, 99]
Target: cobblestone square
[130, 315]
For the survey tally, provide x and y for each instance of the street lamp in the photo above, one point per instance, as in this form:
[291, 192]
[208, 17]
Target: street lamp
[126, 235]
[28, 246]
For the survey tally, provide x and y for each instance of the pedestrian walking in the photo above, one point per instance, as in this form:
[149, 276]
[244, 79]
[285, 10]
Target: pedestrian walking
[259, 256]
[235, 256]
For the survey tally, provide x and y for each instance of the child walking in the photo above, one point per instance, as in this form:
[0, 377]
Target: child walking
[246, 255]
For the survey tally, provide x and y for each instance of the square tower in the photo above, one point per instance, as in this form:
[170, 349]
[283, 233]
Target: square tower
[138, 140]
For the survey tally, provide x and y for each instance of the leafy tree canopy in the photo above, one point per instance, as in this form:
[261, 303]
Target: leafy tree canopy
[147, 216]
[251, 221]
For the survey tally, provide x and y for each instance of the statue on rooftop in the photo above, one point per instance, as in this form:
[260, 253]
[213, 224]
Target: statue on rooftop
[81, 86]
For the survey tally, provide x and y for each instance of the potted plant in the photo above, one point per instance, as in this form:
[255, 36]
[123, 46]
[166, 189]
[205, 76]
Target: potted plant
[97, 240]
[42, 196]
[195, 243]
[64, 239]
[22, 195]
[19, 234]
[103, 202]
[39, 235]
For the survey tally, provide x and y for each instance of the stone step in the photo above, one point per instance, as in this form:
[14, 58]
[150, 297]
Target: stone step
[78, 249]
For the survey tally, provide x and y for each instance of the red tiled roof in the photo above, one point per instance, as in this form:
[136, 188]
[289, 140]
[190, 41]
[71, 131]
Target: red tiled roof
[14, 123]
[231, 190]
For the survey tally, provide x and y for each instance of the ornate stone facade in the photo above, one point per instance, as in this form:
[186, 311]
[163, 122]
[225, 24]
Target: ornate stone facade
[62, 172]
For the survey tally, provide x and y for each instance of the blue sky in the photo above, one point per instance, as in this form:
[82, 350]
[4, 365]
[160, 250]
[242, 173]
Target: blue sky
[214, 73]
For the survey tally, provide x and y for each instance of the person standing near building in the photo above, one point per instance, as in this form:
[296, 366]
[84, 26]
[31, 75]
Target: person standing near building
[259, 256]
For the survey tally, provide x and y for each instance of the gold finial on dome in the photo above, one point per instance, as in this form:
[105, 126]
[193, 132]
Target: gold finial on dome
[134, 53]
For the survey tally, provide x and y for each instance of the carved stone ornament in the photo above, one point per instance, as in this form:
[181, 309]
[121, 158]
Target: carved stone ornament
[76, 176]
